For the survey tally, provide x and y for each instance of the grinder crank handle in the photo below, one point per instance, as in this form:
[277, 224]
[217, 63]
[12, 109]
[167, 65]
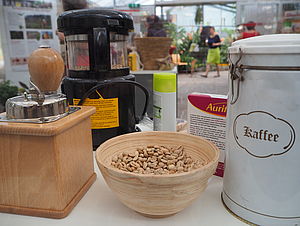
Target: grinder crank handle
[46, 68]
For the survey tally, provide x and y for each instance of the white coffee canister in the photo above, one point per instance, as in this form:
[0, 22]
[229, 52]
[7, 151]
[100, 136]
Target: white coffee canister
[262, 165]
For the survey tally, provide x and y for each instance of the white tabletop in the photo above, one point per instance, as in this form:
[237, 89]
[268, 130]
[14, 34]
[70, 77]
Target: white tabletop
[100, 207]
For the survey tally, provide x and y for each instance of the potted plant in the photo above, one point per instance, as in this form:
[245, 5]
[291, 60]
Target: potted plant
[6, 91]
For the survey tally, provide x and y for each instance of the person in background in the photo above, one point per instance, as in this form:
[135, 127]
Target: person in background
[67, 6]
[155, 27]
[74, 4]
[204, 32]
[240, 28]
[213, 56]
[251, 32]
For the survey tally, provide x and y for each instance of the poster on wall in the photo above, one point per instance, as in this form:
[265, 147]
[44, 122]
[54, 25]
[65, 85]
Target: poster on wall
[28, 25]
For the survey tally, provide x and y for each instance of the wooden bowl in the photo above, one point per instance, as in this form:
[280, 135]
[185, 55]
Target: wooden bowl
[157, 195]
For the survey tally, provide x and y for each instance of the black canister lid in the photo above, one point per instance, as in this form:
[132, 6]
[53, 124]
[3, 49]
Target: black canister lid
[83, 20]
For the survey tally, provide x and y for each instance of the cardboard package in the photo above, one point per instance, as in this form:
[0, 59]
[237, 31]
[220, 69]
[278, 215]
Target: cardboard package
[207, 118]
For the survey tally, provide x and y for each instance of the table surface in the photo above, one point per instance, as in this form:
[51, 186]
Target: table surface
[101, 207]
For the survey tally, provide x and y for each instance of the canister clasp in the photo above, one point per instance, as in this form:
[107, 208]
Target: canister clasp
[236, 71]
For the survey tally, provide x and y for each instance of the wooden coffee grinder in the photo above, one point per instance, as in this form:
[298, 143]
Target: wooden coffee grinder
[46, 158]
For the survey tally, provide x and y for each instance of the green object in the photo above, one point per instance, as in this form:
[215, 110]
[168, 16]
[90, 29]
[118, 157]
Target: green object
[224, 53]
[213, 56]
[164, 82]
[7, 91]
[287, 24]
[199, 15]
[156, 111]
[176, 33]
[134, 6]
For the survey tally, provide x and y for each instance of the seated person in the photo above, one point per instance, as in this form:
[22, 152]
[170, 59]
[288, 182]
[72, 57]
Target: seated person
[155, 27]
[251, 32]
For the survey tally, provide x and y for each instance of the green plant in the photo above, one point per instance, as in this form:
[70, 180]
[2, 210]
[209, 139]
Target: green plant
[175, 32]
[199, 15]
[225, 44]
[7, 91]
[230, 33]
[183, 49]
[182, 41]
[224, 53]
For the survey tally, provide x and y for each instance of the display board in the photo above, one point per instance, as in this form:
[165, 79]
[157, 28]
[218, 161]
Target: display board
[25, 25]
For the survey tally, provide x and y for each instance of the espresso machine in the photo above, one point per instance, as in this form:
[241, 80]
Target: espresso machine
[97, 70]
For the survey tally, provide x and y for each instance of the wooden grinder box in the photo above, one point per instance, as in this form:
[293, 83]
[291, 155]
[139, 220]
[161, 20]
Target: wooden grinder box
[45, 169]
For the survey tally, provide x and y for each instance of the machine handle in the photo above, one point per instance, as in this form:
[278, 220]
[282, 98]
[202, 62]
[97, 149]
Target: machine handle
[125, 82]
[101, 49]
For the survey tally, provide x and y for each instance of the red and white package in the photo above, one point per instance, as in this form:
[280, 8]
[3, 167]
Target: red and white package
[207, 118]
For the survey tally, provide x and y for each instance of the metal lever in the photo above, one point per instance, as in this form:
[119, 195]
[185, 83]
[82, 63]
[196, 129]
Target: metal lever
[36, 94]
[236, 71]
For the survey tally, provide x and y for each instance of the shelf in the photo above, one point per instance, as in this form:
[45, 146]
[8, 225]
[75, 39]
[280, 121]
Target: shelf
[291, 18]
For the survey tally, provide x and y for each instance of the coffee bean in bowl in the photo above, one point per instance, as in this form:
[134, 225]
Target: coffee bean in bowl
[156, 160]
[151, 191]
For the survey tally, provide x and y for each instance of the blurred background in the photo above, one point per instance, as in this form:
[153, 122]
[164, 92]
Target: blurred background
[26, 24]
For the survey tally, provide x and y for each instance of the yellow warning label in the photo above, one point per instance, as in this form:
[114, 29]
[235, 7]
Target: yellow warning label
[107, 112]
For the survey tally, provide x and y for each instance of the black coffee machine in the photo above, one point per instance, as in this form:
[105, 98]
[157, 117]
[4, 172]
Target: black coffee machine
[98, 73]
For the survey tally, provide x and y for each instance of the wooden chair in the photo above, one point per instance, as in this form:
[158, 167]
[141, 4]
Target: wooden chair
[177, 61]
